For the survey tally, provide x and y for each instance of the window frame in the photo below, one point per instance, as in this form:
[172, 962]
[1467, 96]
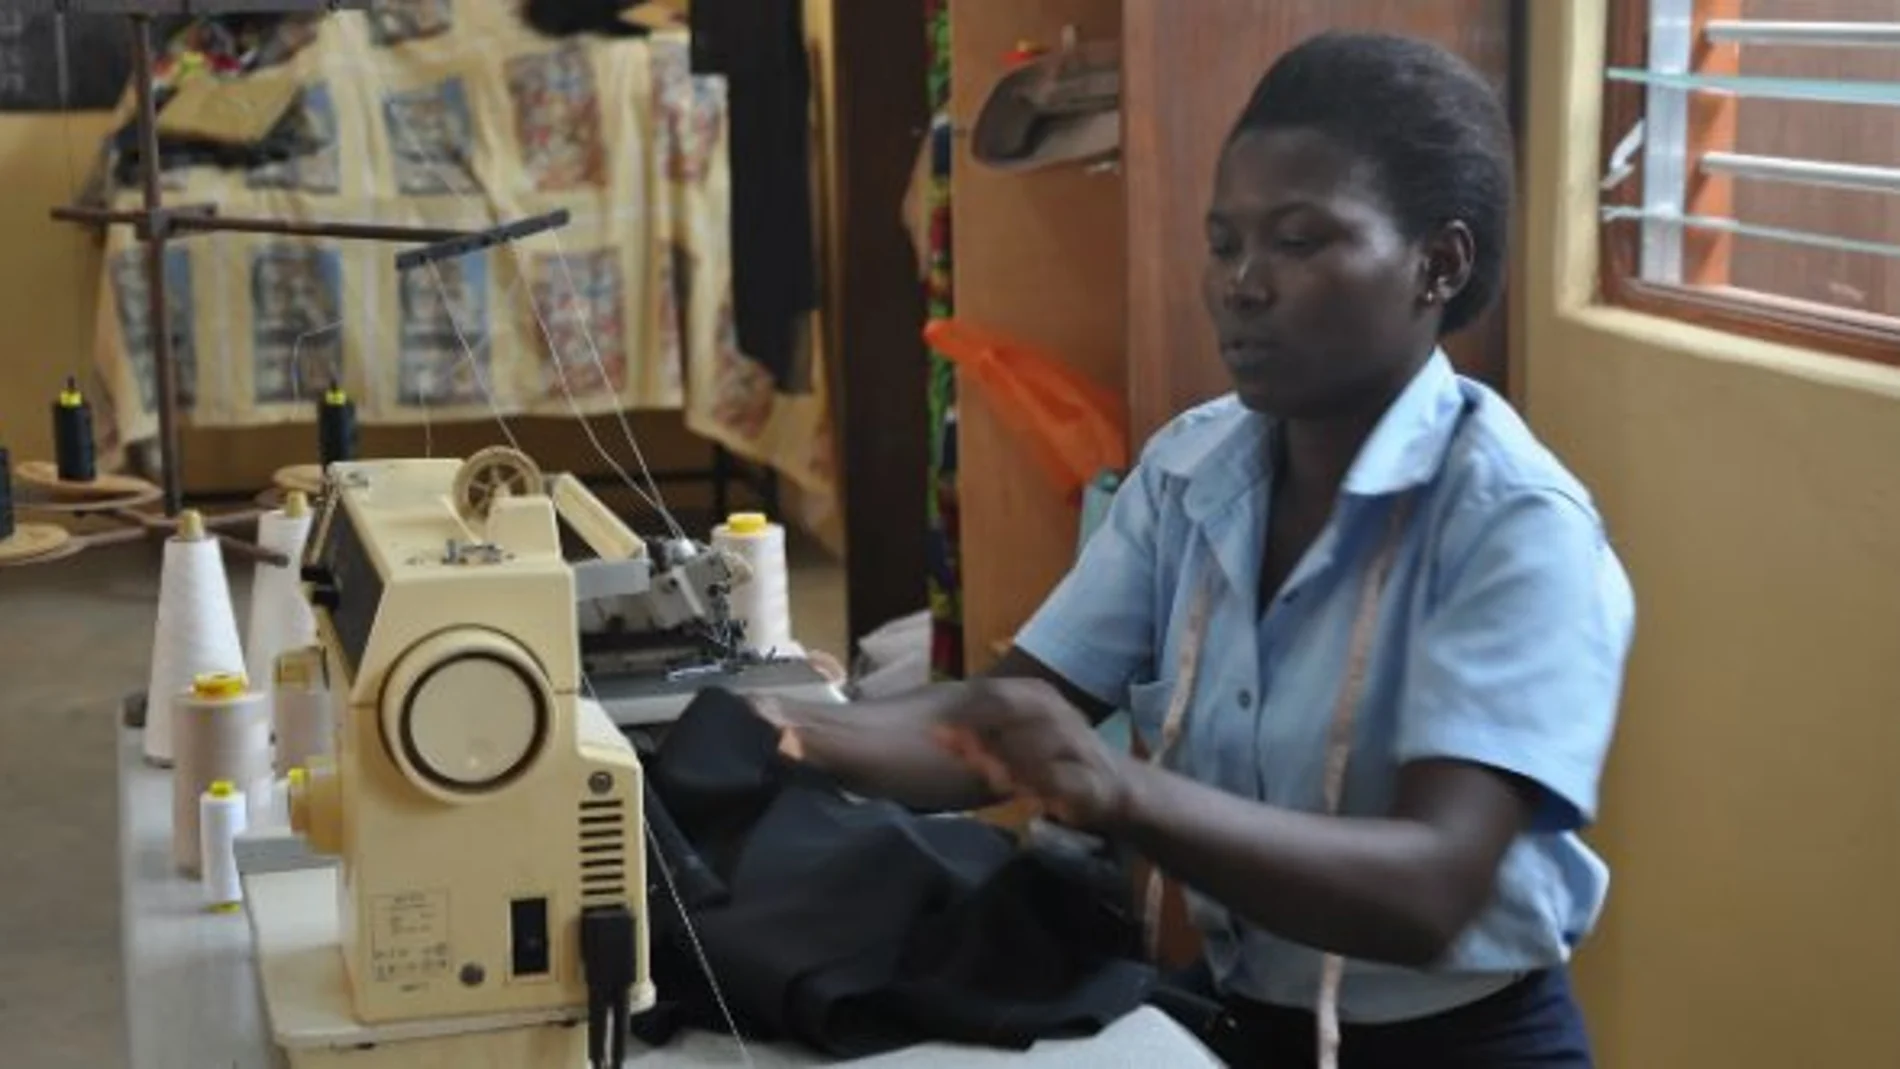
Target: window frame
[1804, 324]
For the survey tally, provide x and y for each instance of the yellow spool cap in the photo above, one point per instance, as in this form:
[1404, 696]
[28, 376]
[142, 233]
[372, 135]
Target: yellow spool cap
[223, 788]
[218, 685]
[70, 399]
[746, 523]
[335, 396]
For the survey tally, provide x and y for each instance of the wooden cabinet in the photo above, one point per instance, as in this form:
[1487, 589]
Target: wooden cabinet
[1038, 256]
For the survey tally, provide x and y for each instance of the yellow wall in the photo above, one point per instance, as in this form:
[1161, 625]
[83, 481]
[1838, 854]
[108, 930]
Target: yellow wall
[48, 271]
[1752, 805]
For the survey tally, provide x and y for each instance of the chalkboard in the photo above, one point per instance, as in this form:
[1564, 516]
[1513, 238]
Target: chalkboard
[97, 61]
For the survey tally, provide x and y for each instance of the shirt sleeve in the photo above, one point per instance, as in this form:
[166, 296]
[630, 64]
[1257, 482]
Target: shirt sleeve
[1520, 665]
[1097, 628]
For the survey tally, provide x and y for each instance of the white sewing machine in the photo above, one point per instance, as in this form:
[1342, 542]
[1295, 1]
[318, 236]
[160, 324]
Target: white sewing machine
[487, 815]
[655, 623]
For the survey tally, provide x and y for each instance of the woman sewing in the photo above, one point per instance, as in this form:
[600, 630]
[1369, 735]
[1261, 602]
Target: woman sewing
[1369, 630]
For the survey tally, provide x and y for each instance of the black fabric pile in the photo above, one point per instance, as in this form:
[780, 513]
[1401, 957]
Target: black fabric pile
[569, 18]
[859, 927]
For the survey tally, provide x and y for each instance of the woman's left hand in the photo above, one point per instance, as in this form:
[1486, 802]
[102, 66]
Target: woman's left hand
[1028, 741]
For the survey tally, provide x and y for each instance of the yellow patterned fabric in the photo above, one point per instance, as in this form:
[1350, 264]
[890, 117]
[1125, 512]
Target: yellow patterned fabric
[454, 115]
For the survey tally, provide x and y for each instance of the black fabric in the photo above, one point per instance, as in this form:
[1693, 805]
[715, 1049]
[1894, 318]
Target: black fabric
[859, 927]
[568, 18]
[759, 47]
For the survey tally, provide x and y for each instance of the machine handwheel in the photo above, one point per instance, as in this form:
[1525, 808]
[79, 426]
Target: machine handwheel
[491, 474]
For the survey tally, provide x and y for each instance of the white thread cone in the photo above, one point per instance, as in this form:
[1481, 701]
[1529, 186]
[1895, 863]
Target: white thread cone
[280, 617]
[196, 631]
[764, 603]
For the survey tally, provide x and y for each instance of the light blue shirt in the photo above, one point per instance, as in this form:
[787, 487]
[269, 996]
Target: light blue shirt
[1502, 635]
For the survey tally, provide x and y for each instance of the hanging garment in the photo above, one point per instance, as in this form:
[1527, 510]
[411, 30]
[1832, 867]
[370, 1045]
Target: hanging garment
[759, 46]
[859, 927]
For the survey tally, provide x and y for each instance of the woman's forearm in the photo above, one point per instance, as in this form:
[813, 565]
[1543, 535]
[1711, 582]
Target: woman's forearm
[885, 748]
[1396, 890]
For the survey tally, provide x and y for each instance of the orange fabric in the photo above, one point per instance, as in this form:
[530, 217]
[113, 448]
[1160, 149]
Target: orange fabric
[1072, 425]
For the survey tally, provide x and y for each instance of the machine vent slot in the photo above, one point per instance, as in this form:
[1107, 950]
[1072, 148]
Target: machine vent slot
[603, 852]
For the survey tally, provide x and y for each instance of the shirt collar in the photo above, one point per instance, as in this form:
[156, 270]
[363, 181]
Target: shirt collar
[1406, 448]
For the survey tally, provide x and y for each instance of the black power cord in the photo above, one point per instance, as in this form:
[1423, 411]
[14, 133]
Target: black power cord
[607, 959]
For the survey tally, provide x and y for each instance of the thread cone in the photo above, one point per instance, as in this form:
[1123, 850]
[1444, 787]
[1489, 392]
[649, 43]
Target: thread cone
[196, 633]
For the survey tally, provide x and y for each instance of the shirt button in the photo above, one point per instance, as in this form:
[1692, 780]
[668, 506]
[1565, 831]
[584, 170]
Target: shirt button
[1246, 699]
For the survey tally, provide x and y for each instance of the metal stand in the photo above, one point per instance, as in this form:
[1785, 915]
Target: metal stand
[156, 223]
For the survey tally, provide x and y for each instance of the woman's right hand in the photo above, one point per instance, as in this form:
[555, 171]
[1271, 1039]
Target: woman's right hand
[774, 710]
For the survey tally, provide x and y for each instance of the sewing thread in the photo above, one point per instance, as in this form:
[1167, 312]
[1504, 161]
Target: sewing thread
[302, 711]
[336, 427]
[280, 614]
[223, 732]
[196, 630]
[764, 602]
[72, 435]
[6, 495]
[222, 818]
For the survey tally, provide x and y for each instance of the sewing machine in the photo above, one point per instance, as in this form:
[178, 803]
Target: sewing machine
[655, 624]
[486, 813]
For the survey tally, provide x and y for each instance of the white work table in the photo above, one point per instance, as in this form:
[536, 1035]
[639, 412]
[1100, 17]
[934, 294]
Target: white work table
[193, 1000]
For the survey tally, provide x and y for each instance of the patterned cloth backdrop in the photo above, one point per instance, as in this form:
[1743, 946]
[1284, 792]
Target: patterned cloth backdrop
[440, 114]
[945, 582]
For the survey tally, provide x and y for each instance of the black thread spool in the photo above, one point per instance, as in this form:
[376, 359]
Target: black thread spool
[72, 436]
[336, 426]
[6, 495]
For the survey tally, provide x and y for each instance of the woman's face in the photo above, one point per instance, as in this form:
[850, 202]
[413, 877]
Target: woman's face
[1318, 299]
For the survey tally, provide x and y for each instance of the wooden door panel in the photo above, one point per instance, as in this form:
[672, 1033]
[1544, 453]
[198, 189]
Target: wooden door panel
[1185, 80]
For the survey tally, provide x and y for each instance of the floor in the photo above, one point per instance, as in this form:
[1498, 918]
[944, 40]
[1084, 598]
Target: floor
[75, 638]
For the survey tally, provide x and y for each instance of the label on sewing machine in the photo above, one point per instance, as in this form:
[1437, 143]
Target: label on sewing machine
[409, 937]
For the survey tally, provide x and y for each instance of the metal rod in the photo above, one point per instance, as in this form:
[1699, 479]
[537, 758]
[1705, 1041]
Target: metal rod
[201, 219]
[1803, 172]
[159, 322]
[350, 231]
[464, 244]
[80, 214]
[1803, 34]
[179, 7]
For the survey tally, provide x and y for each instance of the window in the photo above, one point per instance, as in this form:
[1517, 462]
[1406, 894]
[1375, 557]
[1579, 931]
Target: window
[1751, 176]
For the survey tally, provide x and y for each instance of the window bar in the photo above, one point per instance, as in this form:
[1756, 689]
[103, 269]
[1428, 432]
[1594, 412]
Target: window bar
[1615, 213]
[1803, 172]
[1665, 144]
[1804, 34]
[1800, 90]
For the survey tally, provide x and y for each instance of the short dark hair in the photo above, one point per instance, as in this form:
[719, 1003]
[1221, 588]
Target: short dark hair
[1435, 129]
